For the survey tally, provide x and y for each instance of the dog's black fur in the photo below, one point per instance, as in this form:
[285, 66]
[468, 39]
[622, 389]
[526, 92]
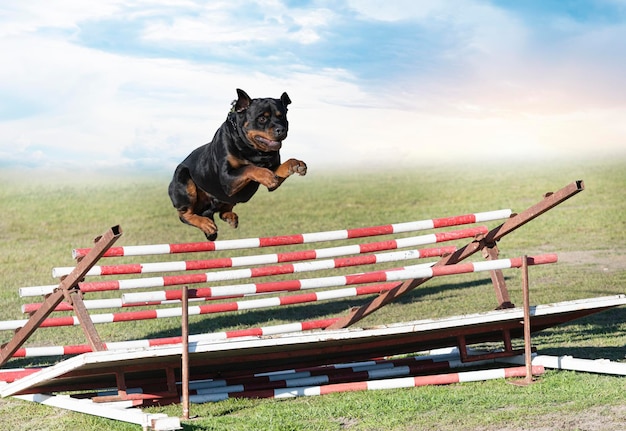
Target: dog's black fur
[243, 154]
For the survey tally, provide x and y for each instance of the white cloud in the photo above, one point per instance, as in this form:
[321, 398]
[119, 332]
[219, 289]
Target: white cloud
[223, 22]
[496, 92]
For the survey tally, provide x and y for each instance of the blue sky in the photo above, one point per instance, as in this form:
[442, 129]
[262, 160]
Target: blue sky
[139, 84]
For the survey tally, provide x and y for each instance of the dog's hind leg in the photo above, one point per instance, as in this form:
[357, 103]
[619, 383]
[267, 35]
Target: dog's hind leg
[193, 204]
[227, 214]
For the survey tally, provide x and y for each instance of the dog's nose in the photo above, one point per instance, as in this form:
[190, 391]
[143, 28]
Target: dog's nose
[279, 131]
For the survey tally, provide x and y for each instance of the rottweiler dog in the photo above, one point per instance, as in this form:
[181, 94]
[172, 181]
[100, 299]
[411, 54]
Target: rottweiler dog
[243, 154]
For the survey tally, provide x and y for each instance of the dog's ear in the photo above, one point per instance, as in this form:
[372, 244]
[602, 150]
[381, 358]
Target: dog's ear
[243, 101]
[285, 99]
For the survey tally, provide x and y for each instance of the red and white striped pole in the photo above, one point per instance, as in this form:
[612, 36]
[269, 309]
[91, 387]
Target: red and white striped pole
[77, 349]
[417, 271]
[301, 238]
[369, 385]
[251, 260]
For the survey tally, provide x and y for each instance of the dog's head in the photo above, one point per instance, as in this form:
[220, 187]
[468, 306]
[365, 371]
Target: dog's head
[263, 122]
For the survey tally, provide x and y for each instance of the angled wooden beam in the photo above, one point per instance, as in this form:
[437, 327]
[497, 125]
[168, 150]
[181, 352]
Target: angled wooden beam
[68, 288]
[549, 201]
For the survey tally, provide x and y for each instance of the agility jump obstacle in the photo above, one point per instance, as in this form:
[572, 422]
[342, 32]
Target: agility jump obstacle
[220, 362]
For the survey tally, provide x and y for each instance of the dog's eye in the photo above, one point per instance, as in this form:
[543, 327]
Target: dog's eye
[262, 119]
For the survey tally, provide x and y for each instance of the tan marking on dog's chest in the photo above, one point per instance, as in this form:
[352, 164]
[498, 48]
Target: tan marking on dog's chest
[236, 162]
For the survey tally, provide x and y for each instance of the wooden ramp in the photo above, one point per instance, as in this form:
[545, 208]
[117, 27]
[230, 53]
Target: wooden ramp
[156, 370]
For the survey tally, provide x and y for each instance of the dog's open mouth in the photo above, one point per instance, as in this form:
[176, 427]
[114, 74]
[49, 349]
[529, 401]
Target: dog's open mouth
[266, 144]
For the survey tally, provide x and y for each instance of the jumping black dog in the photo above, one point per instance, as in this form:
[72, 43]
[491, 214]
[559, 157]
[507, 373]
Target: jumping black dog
[243, 154]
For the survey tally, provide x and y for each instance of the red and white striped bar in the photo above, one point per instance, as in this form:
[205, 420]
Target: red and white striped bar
[96, 304]
[327, 377]
[208, 309]
[450, 355]
[264, 259]
[211, 277]
[369, 385]
[260, 259]
[416, 271]
[301, 238]
[339, 373]
[77, 349]
[14, 374]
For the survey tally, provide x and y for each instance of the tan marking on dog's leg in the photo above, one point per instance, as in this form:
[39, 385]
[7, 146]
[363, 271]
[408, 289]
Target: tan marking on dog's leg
[205, 224]
[189, 215]
[227, 214]
[262, 176]
[290, 167]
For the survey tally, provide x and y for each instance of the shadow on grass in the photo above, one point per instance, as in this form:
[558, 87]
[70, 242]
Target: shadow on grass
[307, 311]
[570, 338]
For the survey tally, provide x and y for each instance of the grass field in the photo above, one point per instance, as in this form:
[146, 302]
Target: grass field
[44, 217]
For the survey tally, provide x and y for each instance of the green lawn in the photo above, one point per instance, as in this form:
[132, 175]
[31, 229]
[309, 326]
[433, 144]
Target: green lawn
[45, 217]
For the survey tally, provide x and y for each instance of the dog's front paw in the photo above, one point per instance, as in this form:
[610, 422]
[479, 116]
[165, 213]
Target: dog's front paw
[297, 167]
[290, 167]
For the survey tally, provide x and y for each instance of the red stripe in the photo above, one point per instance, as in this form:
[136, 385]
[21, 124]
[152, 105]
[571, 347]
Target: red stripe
[297, 299]
[370, 277]
[192, 247]
[438, 251]
[375, 288]
[459, 268]
[204, 292]
[354, 260]
[458, 234]
[11, 376]
[77, 349]
[281, 240]
[272, 286]
[172, 280]
[452, 221]
[521, 371]
[225, 262]
[218, 308]
[111, 252]
[296, 255]
[134, 315]
[317, 324]
[439, 379]
[99, 286]
[32, 307]
[252, 332]
[164, 341]
[369, 231]
[378, 246]
[133, 268]
[57, 321]
[271, 270]
[343, 387]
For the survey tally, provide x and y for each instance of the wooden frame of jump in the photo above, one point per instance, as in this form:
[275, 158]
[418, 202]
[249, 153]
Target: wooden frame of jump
[68, 288]
[487, 244]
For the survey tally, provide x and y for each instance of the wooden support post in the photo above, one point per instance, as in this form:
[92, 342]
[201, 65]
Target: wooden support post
[75, 298]
[185, 356]
[491, 252]
[527, 341]
[549, 201]
[67, 289]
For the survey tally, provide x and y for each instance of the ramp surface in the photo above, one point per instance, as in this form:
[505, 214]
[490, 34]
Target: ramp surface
[211, 359]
